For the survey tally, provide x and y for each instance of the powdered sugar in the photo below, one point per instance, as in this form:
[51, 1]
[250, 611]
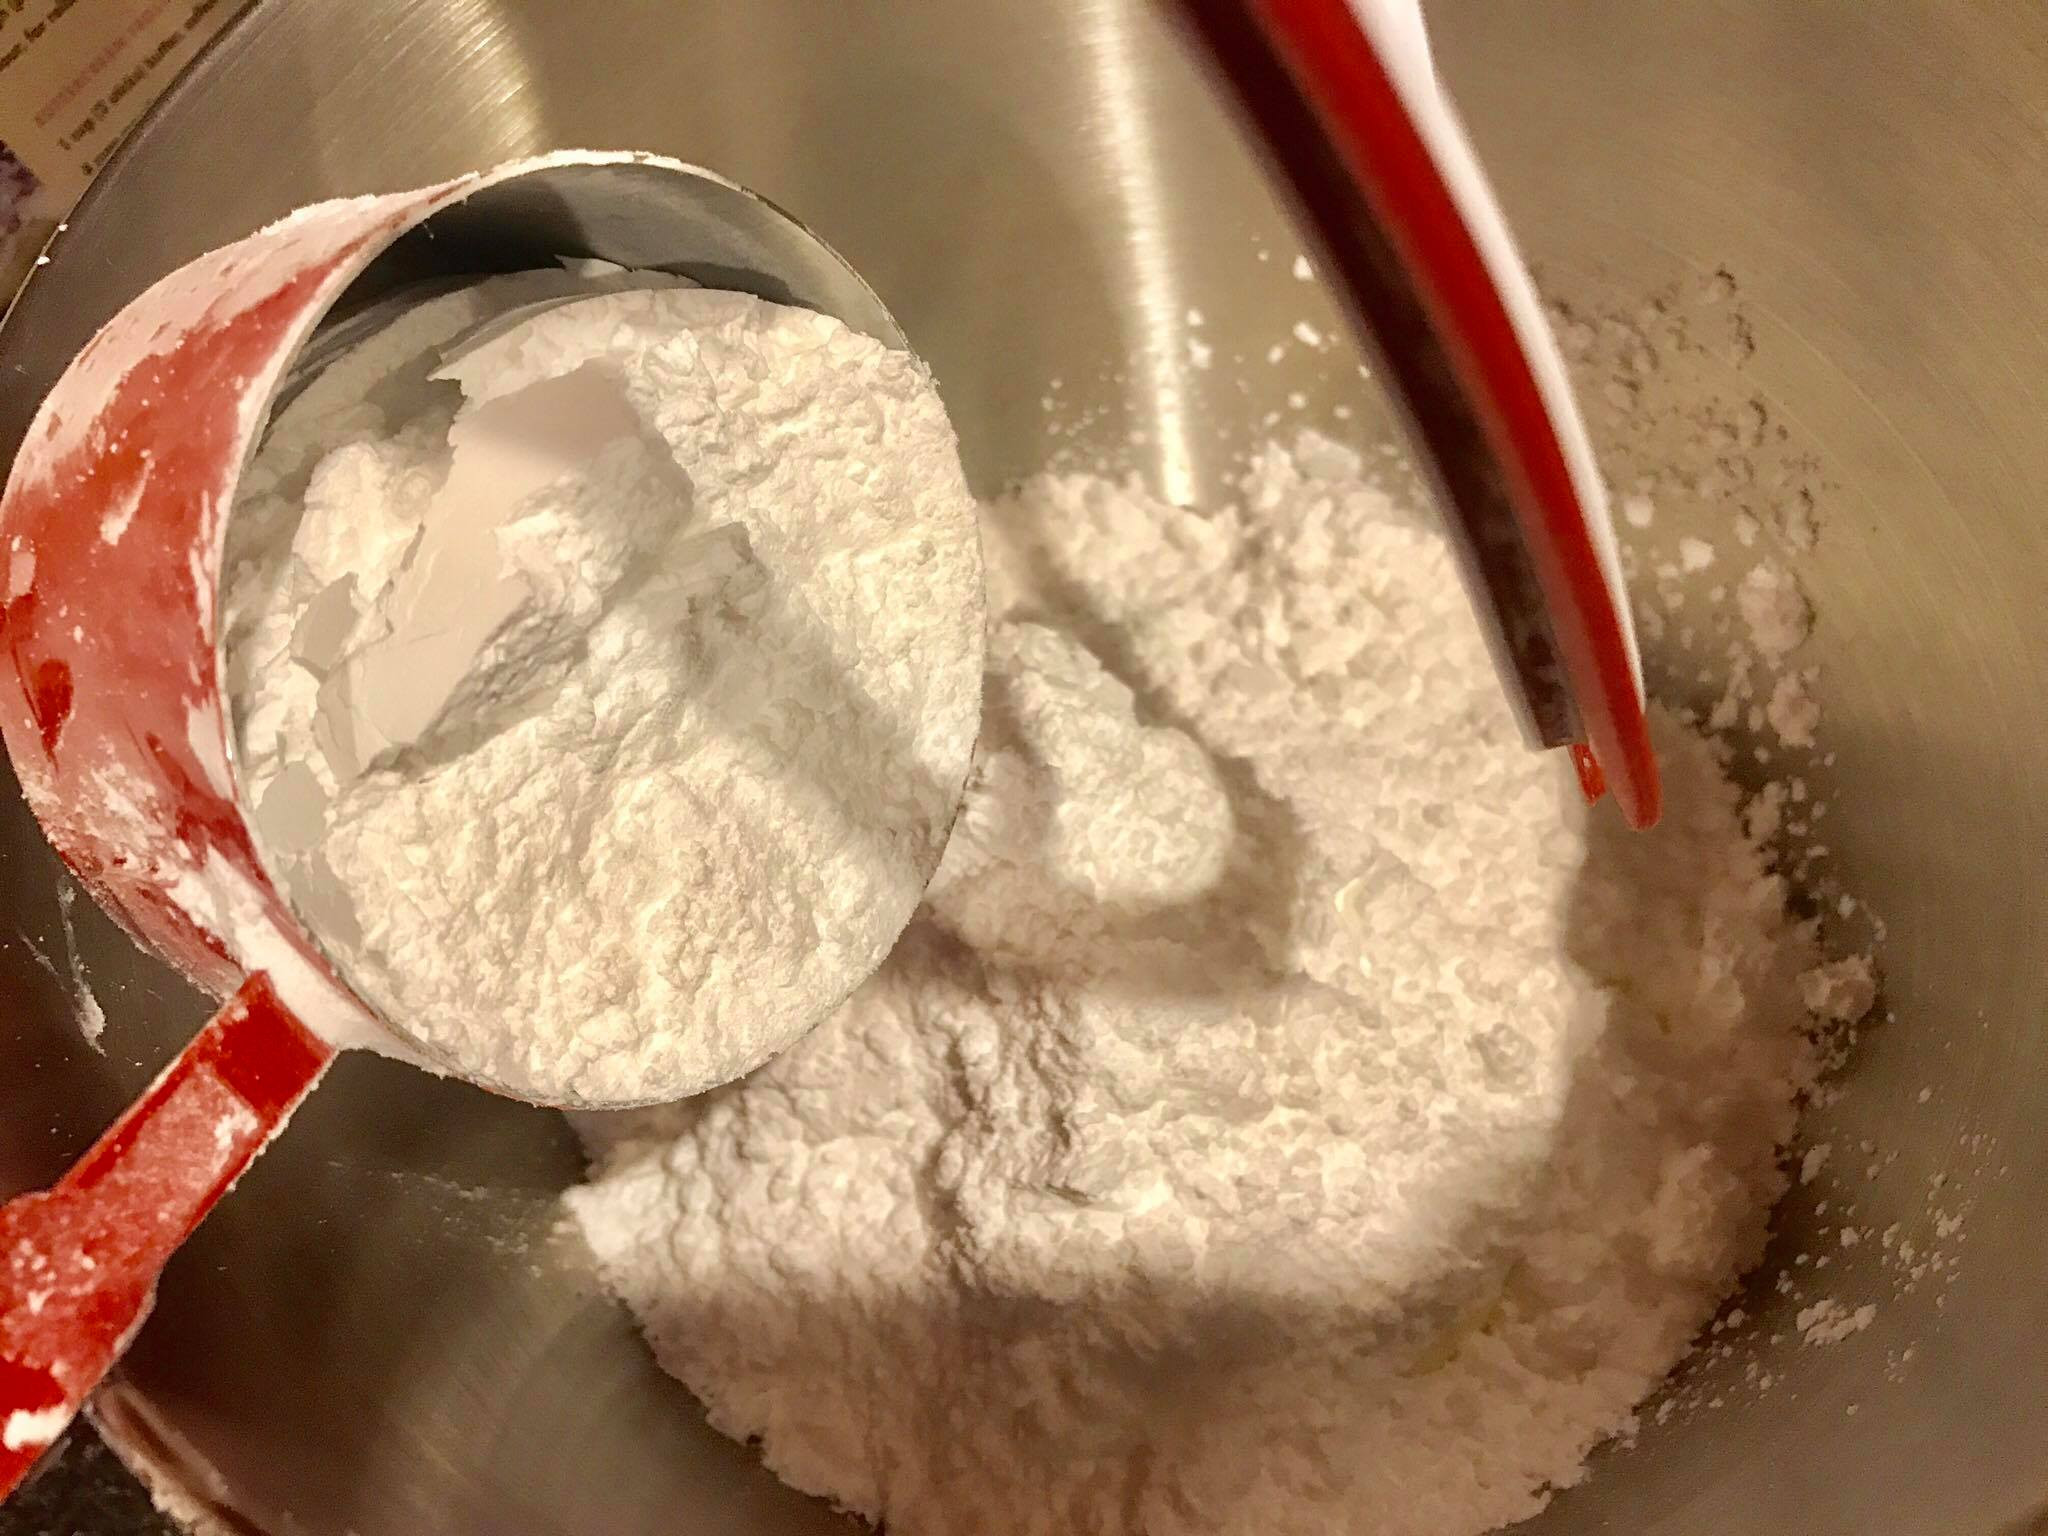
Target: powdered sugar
[1793, 712]
[1828, 1321]
[613, 748]
[1720, 456]
[1289, 1113]
[1775, 610]
[1841, 991]
[27, 1428]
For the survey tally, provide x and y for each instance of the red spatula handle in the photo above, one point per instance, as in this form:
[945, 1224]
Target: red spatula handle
[79, 1263]
[1372, 179]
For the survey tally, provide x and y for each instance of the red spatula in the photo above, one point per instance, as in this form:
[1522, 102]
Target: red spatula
[1344, 98]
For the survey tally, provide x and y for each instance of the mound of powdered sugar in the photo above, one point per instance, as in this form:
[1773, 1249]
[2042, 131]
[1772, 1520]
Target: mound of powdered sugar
[1291, 1112]
[606, 703]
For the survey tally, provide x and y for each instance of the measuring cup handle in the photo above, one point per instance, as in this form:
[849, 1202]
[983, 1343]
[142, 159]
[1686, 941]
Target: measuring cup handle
[79, 1262]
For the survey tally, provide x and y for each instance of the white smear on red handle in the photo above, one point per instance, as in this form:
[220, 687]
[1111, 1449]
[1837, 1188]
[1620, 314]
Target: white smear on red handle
[115, 520]
[28, 1428]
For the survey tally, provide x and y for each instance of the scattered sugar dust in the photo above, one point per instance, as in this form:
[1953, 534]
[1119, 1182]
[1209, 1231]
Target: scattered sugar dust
[1693, 447]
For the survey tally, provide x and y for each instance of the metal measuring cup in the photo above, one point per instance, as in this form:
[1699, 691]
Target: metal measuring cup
[118, 506]
[112, 538]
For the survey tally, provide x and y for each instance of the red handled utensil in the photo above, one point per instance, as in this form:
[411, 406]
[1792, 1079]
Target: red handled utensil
[79, 1263]
[111, 534]
[112, 539]
[1345, 100]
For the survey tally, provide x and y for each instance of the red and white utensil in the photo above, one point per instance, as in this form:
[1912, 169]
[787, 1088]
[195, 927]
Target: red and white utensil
[112, 532]
[111, 535]
[79, 1263]
[1344, 97]
[111, 538]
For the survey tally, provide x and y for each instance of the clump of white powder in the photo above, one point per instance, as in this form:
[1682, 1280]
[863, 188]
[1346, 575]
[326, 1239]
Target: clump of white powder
[1828, 1321]
[1775, 610]
[1291, 1112]
[606, 703]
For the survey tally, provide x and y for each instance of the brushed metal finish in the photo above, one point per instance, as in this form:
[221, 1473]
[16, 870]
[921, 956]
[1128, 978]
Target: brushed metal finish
[384, 1332]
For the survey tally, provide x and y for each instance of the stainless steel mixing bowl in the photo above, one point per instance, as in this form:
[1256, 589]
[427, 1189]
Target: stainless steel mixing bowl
[386, 1333]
